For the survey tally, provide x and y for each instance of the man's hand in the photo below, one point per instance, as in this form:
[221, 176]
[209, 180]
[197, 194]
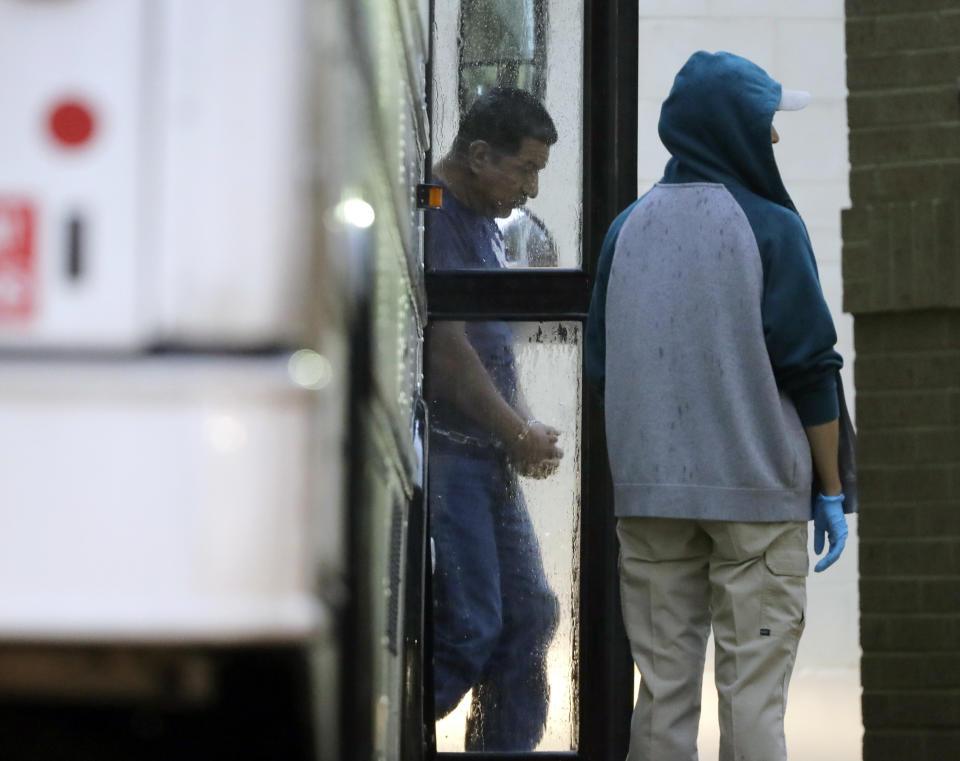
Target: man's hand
[828, 518]
[534, 453]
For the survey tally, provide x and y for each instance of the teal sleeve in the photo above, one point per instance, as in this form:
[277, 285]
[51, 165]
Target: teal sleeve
[594, 350]
[797, 325]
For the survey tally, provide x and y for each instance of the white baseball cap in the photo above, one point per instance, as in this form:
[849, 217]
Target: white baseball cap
[793, 100]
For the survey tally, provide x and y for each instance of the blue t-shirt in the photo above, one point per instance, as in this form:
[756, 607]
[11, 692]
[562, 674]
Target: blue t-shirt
[462, 239]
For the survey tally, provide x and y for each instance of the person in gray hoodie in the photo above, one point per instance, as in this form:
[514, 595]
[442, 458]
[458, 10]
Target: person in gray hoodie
[713, 348]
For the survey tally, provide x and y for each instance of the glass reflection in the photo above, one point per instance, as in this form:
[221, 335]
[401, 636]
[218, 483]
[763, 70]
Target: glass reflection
[504, 502]
[491, 637]
[527, 241]
[502, 45]
[494, 166]
[504, 397]
[482, 46]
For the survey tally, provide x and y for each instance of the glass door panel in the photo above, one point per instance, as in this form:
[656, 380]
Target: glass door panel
[505, 527]
[507, 288]
[535, 46]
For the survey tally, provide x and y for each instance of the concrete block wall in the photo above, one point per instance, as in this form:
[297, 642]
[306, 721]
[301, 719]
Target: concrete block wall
[901, 265]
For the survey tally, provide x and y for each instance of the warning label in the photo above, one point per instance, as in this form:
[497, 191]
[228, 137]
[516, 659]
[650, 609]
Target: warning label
[17, 259]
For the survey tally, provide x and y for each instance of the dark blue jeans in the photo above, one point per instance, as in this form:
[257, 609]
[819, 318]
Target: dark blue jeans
[494, 613]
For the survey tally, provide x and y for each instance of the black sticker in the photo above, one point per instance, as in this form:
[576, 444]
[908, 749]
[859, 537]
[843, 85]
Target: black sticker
[764, 632]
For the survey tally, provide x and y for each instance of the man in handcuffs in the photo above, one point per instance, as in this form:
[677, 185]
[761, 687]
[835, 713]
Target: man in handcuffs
[494, 611]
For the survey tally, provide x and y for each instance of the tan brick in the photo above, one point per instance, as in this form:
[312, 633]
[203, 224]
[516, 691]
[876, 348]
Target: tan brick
[903, 69]
[873, 8]
[917, 31]
[904, 409]
[912, 670]
[922, 633]
[929, 104]
[904, 143]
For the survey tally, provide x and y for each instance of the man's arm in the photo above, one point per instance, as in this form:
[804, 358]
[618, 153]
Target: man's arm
[829, 521]
[595, 349]
[824, 447]
[458, 375]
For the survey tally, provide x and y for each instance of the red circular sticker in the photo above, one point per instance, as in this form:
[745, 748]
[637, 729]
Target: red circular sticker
[71, 123]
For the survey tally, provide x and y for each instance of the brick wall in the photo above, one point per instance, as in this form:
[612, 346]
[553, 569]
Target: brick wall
[901, 268]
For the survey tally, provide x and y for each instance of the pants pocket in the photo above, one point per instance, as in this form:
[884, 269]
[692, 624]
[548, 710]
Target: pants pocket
[785, 586]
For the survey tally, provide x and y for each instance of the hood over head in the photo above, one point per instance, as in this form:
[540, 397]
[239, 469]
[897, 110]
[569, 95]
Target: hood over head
[716, 124]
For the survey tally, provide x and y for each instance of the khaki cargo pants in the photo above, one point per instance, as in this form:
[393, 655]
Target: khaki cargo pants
[749, 580]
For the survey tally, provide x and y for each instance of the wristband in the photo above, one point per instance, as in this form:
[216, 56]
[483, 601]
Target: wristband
[837, 498]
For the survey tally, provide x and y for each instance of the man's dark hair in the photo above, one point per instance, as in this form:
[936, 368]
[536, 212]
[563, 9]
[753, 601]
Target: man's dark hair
[503, 117]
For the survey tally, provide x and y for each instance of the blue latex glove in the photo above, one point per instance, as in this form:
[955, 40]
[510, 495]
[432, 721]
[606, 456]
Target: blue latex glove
[828, 518]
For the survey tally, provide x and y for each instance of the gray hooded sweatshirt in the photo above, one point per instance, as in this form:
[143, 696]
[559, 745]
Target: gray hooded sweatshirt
[708, 331]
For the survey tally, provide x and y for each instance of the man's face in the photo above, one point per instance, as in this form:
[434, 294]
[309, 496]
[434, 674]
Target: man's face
[506, 182]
